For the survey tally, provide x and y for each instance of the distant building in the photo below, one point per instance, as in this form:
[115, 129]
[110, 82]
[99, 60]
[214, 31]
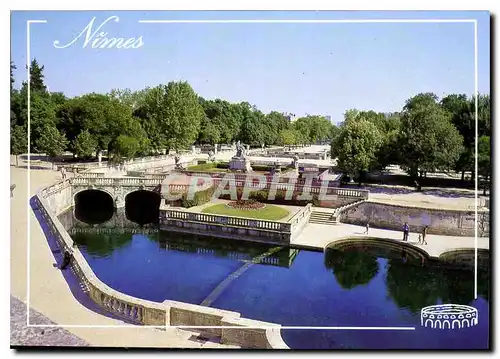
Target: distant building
[340, 123]
[329, 118]
[290, 116]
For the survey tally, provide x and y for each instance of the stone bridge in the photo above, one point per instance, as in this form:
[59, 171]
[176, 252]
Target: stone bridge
[117, 188]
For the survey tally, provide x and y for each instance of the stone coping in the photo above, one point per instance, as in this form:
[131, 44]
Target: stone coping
[435, 207]
[252, 333]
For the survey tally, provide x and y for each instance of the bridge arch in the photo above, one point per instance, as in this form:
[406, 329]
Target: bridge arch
[93, 206]
[142, 206]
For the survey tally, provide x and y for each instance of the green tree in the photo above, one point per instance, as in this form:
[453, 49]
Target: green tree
[12, 80]
[37, 77]
[50, 141]
[85, 145]
[484, 160]
[428, 140]
[356, 147]
[287, 137]
[183, 115]
[18, 141]
[103, 117]
[209, 132]
[124, 147]
[227, 117]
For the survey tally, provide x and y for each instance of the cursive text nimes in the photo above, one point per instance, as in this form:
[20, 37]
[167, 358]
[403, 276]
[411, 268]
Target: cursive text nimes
[99, 39]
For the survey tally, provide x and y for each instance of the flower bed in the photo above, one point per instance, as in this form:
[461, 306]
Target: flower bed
[249, 204]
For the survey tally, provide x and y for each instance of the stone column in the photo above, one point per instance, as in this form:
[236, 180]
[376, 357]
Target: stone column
[99, 158]
[193, 150]
[215, 148]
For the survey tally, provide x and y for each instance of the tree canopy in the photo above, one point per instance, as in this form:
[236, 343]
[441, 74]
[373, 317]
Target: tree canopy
[427, 134]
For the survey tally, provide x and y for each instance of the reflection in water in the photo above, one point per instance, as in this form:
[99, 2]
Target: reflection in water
[101, 245]
[413, 287]
[411, 282]
[372, 285]
[351, 268]
[226, 248]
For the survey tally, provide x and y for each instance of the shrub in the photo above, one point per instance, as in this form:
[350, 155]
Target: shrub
[199, 198]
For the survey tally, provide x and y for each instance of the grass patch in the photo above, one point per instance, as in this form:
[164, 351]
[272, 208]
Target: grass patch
[270, 212]
[210, 167]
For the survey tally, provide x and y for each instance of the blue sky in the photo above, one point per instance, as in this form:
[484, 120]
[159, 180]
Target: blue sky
[299, 68]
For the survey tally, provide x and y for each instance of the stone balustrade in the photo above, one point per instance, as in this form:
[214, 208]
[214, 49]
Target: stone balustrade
[244, 333]
[169, 215]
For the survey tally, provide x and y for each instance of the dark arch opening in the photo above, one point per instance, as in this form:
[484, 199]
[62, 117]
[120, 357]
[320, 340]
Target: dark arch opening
[93, 206]
[143, 207]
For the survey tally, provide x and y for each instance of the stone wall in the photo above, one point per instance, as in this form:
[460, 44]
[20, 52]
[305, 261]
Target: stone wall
[442, 222]
[61, 198]
[246, 333]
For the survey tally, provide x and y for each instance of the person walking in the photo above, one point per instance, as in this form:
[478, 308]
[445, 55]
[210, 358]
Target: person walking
[63, 173]
[367, 227]
[424, 234]
[406, 230]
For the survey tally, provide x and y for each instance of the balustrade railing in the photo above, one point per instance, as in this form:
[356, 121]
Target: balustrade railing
[125, 306]
[238, 181]
[171, 215]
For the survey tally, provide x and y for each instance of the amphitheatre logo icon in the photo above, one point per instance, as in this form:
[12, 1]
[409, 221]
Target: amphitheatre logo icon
[448, 316]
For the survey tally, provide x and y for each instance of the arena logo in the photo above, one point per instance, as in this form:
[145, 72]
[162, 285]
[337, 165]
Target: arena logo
[100, 40]
[449, 316]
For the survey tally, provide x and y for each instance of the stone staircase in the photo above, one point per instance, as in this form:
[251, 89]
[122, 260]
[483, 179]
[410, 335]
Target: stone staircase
[329, 218]
[340, 210]
[319, 217]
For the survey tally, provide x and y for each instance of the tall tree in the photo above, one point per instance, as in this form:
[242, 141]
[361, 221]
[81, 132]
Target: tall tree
[37, 77]
[84, 144]
[428, 140]
[50, 141]
[484, 160]
[18, 141]
[356, 147]
[12, 80]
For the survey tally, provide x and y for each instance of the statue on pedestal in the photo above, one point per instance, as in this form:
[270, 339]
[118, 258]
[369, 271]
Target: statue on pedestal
[295, 162]
[240, 151]
[211, 156]
[178, 165]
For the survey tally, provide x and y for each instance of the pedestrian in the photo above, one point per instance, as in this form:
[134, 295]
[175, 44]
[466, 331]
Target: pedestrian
[406, 230]
[424, 234]
[68, 256]
[63, 173]
[367, 227]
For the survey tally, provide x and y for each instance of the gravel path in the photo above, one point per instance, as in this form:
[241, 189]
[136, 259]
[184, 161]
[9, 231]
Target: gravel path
[22, 335]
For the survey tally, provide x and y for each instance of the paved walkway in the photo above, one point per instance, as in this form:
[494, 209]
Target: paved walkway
[318, 236]
[50, 294]
[22, 335]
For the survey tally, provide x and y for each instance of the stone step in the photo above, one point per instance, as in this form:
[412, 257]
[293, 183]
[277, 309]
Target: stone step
[327, 223]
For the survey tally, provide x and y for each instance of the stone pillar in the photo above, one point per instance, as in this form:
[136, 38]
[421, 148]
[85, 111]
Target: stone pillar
[99, 158]
[193, 150]
[215, 149]
[119, 202]
[248, 148]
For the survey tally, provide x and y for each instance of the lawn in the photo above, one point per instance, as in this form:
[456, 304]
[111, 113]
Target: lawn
[270, 212]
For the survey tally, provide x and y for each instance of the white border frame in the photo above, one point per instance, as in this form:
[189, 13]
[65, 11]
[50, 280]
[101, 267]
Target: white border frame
[28, 61]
